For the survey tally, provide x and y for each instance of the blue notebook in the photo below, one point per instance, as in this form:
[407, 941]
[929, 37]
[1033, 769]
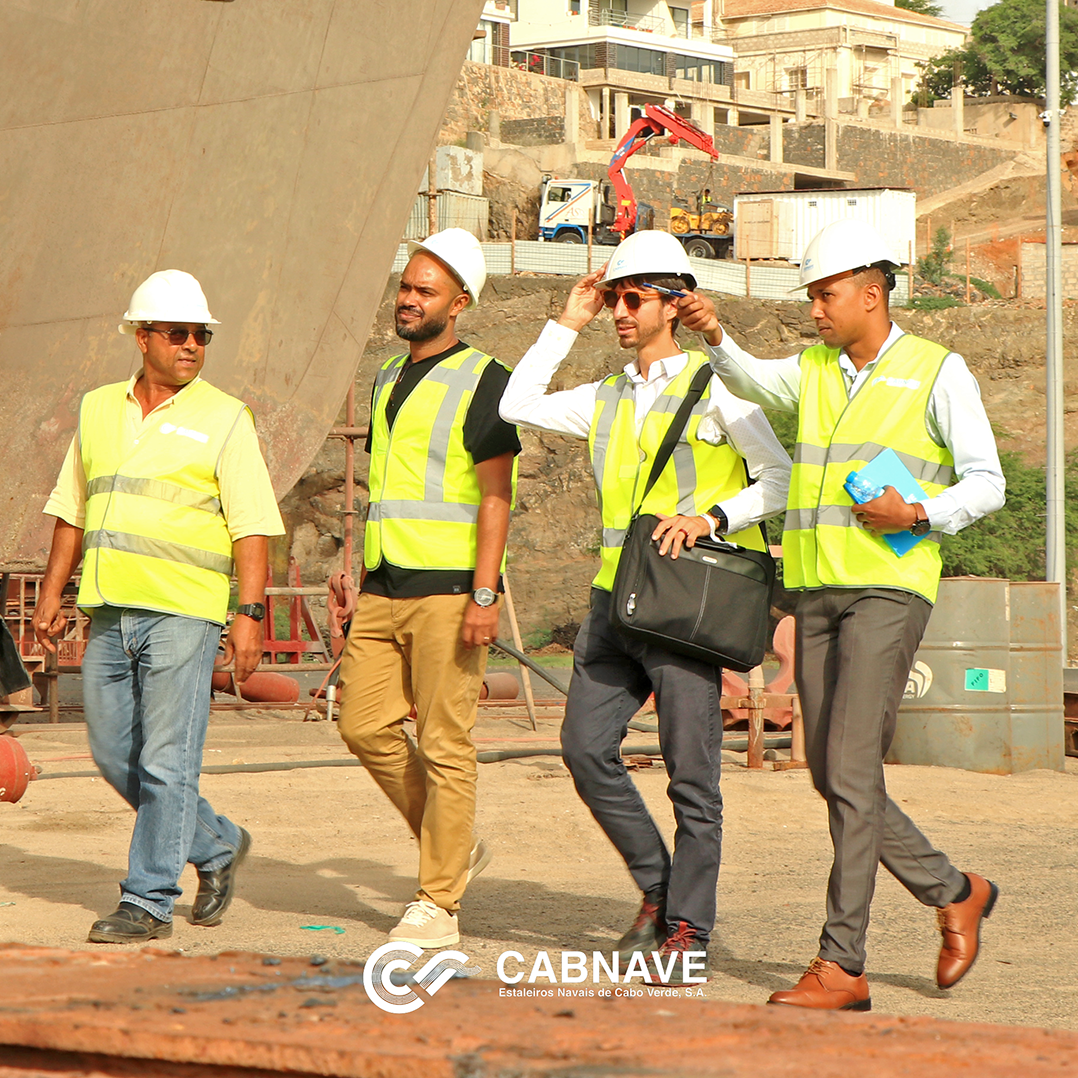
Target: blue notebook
[887, 470]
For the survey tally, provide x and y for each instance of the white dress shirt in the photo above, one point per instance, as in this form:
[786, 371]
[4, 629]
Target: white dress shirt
[956, 419]
[744, 426]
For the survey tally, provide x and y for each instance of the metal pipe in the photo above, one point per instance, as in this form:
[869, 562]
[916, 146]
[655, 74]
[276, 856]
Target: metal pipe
[1055, 548]
[492, 756]
[349, 478]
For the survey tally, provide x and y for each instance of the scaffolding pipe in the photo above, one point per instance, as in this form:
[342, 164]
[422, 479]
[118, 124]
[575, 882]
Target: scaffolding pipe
[1055, 550]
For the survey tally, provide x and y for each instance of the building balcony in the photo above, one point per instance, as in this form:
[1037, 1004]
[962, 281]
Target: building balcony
[626, 20]
[538, 63]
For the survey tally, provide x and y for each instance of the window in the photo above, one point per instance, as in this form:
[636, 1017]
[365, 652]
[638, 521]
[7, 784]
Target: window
[797, 78]
[574, 7]
[696, 69]
[479, 50]
[680, 15]
[557, 194]
[646, 61]
[584, 55]
[743, 80]
[614, 5]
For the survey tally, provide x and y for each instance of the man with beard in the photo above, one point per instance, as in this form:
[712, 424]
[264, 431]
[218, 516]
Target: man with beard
[703, 489]
[442, 479]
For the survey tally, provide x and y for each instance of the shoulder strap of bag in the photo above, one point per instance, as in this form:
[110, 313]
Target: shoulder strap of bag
[677, 425]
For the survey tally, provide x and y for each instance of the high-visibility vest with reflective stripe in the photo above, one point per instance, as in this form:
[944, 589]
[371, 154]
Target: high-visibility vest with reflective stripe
[697, 476]
[424, 494]
[155, 537]
[822, 544]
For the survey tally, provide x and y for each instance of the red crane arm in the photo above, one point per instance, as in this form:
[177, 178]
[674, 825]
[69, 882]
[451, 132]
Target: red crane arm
[655, 121]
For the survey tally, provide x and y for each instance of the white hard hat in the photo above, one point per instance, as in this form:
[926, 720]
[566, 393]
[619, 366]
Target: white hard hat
[461, 254]
[167, 296]
[648, 254]
[843, 245]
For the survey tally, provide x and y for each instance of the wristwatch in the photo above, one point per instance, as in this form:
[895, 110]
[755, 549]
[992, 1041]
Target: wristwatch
[920, 526]
[722, 524]
[484, 597]
[252, 610]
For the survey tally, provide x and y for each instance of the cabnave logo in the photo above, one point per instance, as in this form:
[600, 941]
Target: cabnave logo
[397, 958]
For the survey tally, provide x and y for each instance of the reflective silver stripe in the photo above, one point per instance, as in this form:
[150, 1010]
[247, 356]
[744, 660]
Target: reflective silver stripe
[685, 473]
[928, 471]
[835, 516]
[459, 382]
[609, 394]
[153, 488]
[448, 512]
[613, 537]
[390, 371]
[158, 548]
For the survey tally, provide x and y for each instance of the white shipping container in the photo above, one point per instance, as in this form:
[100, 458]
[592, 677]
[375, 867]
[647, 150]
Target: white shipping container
[779, 224]
[454, 211]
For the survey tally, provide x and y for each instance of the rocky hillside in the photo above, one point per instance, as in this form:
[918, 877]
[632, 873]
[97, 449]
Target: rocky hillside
[554, 536]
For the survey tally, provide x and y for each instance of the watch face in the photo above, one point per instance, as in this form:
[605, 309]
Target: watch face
[484, 596]
[922, 527]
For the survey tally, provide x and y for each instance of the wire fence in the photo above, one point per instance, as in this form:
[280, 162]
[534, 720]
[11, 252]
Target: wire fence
[712, 275]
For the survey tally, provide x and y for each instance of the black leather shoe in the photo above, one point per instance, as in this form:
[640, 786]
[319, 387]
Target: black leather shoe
[215, 888]
[129, 924]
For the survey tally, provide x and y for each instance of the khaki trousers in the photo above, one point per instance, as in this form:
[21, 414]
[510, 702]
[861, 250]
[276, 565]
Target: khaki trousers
[402, 652]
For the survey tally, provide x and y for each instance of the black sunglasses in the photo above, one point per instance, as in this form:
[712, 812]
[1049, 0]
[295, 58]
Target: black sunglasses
[178, 336]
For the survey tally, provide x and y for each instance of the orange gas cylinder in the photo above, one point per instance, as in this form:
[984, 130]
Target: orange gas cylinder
[16, 771]
[262, 687]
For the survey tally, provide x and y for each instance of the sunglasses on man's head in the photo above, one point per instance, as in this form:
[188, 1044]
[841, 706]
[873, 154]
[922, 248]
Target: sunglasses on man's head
[178, 336]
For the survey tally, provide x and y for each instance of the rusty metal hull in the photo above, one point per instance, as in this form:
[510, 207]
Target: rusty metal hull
[271, 148]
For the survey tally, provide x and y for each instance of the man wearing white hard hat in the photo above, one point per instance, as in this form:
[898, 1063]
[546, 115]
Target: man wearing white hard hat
[162, 495]
[442, 480]
[863, 609]
[624, 417]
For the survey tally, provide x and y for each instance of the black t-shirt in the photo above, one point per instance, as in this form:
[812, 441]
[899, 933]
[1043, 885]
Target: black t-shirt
[485, 435]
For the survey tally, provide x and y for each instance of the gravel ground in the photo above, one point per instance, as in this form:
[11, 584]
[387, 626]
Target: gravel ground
[329, 850]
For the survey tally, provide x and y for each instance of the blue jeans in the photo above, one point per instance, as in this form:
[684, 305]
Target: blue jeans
[146, 693]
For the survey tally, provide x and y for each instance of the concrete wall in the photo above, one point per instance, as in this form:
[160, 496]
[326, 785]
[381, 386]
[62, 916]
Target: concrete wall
[1032, 269]
[535, 103]
[1014, 119]
[884, 157]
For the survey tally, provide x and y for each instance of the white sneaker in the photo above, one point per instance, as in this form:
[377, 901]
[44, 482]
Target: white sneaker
[478, 859]
[426, 925]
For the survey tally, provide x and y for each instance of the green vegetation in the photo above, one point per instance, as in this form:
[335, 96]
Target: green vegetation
[987, 287]
[936, 265]
[1006, 54]
[922, 7]
[934, 303]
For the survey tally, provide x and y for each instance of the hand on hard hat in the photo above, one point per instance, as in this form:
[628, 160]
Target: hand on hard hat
[167, 296]
[584, 302]
[697, 314]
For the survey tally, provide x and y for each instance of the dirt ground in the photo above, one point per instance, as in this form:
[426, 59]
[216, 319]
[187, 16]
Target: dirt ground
[330, 851]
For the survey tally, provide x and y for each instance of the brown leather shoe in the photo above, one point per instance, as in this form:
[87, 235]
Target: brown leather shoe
[826, 986]
[960, 926]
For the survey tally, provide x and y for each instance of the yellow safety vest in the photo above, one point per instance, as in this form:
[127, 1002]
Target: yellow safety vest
[823, 545]
[697, 476]
[424, 495]
[155, 536]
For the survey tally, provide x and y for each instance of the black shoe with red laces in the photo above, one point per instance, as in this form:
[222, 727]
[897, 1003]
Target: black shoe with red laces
[682, 959]
[648, 931]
